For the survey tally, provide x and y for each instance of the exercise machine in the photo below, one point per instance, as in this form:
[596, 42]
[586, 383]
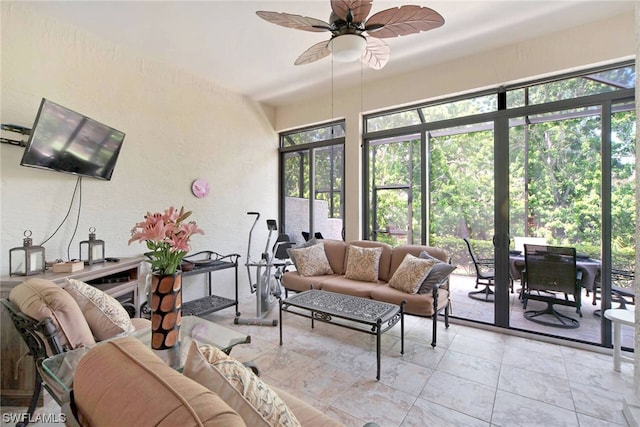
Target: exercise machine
[268, 271]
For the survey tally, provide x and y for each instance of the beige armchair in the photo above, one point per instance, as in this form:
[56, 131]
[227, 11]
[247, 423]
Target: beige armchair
[53, 319]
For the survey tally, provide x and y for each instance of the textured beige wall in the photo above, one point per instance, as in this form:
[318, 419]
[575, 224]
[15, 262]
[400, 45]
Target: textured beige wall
[178, 128]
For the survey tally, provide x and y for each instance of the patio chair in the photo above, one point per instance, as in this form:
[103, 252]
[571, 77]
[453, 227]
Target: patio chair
[622, 289]
[485, 275]
[551, 276]
[50, 322]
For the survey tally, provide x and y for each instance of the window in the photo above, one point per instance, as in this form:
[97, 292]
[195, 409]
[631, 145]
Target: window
[312, 182]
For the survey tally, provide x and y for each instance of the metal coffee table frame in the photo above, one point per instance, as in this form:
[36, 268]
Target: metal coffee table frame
[324, 306]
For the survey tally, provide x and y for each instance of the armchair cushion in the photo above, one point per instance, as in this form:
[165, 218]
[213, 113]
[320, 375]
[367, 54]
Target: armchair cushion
[248, 395]
[41, 298]
[104, 314]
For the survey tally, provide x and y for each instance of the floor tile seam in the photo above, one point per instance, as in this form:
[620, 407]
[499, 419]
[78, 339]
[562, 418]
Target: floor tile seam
[599, 418]
[450, 409]
[477, 355]
[431, 400]
[498, 387]
[518, 393]
[333, 408]
[495, 387]
[574, 412]
[472, 355]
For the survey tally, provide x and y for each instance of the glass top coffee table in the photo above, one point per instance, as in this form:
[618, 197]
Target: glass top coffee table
[376, 317]
[58, 370]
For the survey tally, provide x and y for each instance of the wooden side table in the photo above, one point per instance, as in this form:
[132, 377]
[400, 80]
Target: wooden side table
[619, 316]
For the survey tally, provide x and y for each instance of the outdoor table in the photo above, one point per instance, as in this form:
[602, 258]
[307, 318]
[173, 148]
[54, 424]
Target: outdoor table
[589, 268]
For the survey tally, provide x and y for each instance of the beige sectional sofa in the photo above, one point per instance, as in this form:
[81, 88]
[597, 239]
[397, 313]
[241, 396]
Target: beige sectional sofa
[122, 382]
[377, 280]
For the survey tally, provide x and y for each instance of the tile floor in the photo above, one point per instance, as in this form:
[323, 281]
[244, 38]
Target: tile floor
[474, 377]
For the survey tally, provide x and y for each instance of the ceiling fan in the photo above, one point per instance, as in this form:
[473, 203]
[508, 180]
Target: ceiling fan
[353, 36]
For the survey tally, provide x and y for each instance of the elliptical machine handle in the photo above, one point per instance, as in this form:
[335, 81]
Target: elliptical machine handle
[257, 215]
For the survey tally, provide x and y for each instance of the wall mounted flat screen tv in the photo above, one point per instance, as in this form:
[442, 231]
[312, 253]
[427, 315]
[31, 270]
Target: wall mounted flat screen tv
[63, 140]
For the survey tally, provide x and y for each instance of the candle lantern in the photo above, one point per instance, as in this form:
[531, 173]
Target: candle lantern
[92, 250]
[27, 259]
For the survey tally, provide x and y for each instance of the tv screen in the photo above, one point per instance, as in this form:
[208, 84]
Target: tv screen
[65, 141]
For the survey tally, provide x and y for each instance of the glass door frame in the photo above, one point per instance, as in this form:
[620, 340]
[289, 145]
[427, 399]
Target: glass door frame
[501, 206]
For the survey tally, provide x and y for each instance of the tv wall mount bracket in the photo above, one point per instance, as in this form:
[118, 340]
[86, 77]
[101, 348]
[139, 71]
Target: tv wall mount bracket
[15, 129]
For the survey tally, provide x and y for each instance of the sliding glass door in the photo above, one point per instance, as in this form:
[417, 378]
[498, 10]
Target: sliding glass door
[547, 162]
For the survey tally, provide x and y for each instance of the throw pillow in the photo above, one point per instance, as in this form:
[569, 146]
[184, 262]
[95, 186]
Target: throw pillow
[437, 275]
[411, 273]
[362, 263]
[238, 386]
[104, 314]
[311, 260]
[306, 244]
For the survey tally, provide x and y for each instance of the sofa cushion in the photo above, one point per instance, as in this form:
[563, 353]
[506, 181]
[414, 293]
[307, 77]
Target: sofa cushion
[104, 314]
[123, 383]
[342, 285]
[336, 252]
[411, 273]
[416, 304]
[255, 401]
[293, 281]
[311, 261]
[385, 257]
[40, 298]
[437, 275]
[399, 252]
[362, 263]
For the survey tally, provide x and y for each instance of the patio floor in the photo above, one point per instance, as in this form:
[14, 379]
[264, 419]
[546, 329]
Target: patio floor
[589, 330]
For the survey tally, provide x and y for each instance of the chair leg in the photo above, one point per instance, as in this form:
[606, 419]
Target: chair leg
[561, 318]
[37, 389]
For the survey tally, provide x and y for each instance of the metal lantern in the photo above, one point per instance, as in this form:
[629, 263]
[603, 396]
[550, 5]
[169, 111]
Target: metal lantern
[27, 259]
[92, 250]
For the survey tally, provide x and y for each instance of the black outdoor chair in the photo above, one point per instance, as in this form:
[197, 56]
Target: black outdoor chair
[485, 275]
[622, 289]
[551, 276]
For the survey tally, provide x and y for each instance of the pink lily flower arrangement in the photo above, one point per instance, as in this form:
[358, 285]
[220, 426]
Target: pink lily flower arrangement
[167, 237]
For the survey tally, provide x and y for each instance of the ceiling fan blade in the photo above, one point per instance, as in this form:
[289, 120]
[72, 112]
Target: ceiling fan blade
[376, 54]
[314, 53]
[294, 21]
[359, 9]
[404, 20]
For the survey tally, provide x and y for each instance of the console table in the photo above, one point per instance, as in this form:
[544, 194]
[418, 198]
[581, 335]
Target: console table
[118, 279]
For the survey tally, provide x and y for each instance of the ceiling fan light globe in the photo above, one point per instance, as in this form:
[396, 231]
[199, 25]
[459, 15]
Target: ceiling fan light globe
[347, 47]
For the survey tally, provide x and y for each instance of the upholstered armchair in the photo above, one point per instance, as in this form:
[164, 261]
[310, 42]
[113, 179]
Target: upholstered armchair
[53, 319]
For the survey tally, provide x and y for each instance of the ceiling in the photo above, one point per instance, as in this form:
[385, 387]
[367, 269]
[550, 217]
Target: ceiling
[227, 43]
